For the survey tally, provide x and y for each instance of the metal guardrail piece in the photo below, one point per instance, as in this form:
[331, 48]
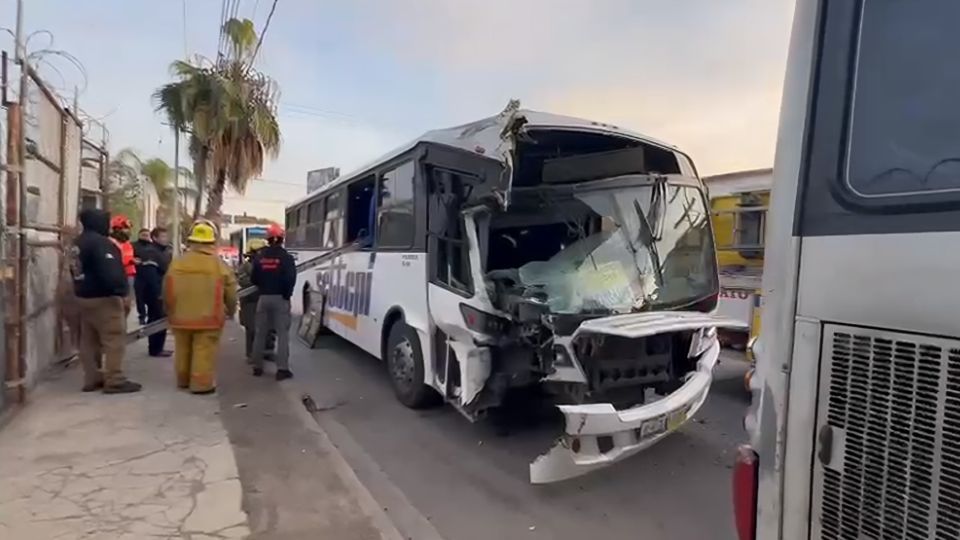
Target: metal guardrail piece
[161, 325]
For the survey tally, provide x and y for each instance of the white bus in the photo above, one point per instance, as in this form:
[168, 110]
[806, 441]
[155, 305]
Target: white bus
[241, 237]
[527, 249]
[855, 422]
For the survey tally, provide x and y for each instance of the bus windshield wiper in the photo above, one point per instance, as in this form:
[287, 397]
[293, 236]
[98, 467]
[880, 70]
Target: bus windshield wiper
[646, 236]
[658, 207]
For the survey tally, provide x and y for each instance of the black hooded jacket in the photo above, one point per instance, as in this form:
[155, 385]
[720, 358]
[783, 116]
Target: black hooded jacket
[274, 271]
[96, 264]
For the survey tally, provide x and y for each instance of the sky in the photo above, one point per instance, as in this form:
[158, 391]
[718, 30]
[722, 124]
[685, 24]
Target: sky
[361, 77]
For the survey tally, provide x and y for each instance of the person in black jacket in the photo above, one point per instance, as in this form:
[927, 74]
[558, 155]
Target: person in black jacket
[274, 273]
[101, 287]
[143, 242]
[154, 261]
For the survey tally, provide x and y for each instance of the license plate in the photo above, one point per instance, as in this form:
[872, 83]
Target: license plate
[662, 424]
[653, 427]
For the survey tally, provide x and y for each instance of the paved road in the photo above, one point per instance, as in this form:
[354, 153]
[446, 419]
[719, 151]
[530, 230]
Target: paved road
[471, 483]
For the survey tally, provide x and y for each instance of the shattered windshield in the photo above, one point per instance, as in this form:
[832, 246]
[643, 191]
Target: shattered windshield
[653, 247]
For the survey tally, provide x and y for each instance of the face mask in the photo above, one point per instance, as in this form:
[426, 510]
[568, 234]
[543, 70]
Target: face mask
[122, 236]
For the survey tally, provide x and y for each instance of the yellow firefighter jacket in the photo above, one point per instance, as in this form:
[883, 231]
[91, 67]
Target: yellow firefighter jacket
[199, 290]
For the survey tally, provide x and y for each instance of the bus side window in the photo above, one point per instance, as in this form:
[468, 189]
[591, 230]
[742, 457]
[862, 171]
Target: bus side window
[450, 261]
[397, 223]
[360, 205]
[333, 221]
[314, 235]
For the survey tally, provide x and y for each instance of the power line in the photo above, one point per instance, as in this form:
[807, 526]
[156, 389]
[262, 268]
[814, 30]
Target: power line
[223, 15]
[315, 110]
[230, 13]
[263, 32]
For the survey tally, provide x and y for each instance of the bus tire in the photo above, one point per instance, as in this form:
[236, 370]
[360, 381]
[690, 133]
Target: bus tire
[404, 361]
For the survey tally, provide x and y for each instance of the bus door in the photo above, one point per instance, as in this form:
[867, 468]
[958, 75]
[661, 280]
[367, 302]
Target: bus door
[459, 308]
[397, 268]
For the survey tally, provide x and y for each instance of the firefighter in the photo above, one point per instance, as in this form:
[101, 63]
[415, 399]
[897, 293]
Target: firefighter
[120, 235]
[102, 295]
[275, 275]
[248, 305]
[200, 293]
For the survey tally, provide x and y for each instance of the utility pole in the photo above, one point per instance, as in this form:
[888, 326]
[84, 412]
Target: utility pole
[176, 191]
[21, 54]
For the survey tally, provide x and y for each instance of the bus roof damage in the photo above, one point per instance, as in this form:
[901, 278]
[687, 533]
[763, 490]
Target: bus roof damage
[584, 264]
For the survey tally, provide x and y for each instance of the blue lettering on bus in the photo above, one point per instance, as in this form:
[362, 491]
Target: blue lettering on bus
[346, 290]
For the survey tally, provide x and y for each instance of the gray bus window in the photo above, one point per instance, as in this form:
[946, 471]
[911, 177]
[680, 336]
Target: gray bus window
[314, 234]
[397, 225]
[903, 128]
[315, 212]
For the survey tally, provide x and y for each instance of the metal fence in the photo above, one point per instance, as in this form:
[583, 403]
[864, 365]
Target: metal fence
[52, 171]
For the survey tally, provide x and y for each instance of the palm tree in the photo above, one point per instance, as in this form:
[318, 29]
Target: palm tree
[129, 169]
[229, 109]
[194, 104]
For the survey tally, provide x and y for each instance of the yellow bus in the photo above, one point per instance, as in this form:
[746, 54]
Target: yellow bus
[738, 207]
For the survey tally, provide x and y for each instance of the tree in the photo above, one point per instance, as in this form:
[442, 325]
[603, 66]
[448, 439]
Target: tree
[193, 105]
[129, 171]
[124, 191]
[229, 109]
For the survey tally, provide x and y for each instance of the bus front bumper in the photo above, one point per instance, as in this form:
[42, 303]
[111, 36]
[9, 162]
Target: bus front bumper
[597, 435]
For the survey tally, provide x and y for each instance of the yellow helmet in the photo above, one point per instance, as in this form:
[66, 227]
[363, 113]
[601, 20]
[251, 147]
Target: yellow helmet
[202, 232]
[255, 244]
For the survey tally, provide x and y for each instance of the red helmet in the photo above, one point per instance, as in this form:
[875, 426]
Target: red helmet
[274, 231]
[120, 221]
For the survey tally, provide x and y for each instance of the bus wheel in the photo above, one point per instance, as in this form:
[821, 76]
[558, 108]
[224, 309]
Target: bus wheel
[405, 367]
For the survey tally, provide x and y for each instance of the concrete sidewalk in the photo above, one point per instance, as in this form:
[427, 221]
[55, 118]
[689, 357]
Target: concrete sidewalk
[156, 464]
[161, 463]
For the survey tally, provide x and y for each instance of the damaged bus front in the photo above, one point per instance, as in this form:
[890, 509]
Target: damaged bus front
[587, 267]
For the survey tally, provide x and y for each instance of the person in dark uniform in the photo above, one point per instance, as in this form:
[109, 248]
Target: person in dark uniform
[102, 294]
[161, 239]
[143, 241]
[248, 304]
[154, 261]
[275, 275]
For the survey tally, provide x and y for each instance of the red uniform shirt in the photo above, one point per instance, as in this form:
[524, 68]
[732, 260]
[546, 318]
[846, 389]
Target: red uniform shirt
[126, 255]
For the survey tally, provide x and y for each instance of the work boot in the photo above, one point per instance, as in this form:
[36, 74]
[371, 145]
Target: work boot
[257, 372]
[92, 387]
[284, 374]
[126, 387]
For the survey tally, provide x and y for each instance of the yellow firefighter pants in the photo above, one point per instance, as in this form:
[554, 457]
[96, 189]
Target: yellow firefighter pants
[195, 352]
